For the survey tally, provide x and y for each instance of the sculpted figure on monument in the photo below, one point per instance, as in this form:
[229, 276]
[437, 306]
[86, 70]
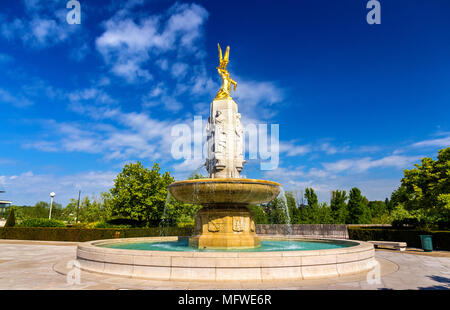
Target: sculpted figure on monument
[227, 81]
[239, 135]
[220, 134]
[238, 223]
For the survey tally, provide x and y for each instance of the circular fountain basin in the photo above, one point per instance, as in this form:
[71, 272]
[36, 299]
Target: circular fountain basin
[169, 258]
[224, 191]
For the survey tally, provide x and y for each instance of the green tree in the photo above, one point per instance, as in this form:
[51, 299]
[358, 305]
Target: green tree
[276, 211]
[312, 206]
[177, 213]
[400, 215]
[11, 220]
[140, 194]
[88, 212]
[325, 214]
[40, 210]
[358, 211]
[308, 213]
[196, 176]
[378, 212]
[259, 215]
[311, 198]
[338, 206]
[389, 204]
[425, 189]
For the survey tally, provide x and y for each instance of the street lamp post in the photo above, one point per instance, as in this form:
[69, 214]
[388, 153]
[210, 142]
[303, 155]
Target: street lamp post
[78, 205]
[52, 195]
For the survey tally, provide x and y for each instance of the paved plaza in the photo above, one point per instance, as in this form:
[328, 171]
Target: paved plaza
[46, 265]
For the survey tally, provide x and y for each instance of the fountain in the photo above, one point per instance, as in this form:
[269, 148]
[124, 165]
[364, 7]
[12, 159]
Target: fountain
[225, 245]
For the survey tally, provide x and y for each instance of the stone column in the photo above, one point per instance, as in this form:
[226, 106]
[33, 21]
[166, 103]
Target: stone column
[225, 140]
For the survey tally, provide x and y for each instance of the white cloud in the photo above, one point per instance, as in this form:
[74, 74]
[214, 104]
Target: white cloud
[127, 45]
[38, 6]
[116, 135]
[29, 188]
[202, 84]
[79, 53]
[254, 97]
[364, 164]
[188, 165]
[93, 95]
[285, 173]
[43, 24]
[160, 95]
[368, 149]
[291, 149]
[439, 142]
[16, 100]
[7, 161]
[331, 149]
[179, 70]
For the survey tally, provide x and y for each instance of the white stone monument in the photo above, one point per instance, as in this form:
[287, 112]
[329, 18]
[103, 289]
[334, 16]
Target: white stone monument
[224, 140]
[225, 136]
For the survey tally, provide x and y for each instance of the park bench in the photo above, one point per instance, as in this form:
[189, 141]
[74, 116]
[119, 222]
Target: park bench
[394, 244]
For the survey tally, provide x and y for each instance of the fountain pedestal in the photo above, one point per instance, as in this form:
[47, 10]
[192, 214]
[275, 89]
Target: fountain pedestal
[227, 227]
[224, 221]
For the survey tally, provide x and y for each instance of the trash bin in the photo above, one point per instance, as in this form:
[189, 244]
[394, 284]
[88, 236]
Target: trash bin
[427, 244]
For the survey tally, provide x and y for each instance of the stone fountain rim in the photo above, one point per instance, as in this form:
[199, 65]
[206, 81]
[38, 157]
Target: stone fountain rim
[96, 246]
[225, 181]
[226, 266]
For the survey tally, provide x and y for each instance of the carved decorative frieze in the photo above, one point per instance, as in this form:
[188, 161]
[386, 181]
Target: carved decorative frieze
[215, 224]
[238, 223]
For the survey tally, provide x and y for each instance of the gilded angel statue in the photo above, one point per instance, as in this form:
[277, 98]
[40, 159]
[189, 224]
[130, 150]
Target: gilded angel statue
[225, 89]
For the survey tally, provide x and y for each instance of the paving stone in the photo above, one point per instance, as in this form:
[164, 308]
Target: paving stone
[32, 266]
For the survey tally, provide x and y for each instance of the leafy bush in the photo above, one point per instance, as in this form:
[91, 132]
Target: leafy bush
[82, 234]
[443, 225]
[41, 222]
[406, 222]
[102, 225]
[122, 222]
[419, 219]
[108, 225]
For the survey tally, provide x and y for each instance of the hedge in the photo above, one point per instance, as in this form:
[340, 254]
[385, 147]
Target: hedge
[41, 222]
[441, 239]
[85, 234]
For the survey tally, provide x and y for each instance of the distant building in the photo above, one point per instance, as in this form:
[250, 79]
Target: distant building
[3, 205]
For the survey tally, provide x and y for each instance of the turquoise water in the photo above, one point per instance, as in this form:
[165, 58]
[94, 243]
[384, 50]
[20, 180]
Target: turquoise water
[266, 246]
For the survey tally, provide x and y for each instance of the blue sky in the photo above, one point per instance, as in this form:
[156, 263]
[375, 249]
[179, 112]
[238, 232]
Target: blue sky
[355, 103]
